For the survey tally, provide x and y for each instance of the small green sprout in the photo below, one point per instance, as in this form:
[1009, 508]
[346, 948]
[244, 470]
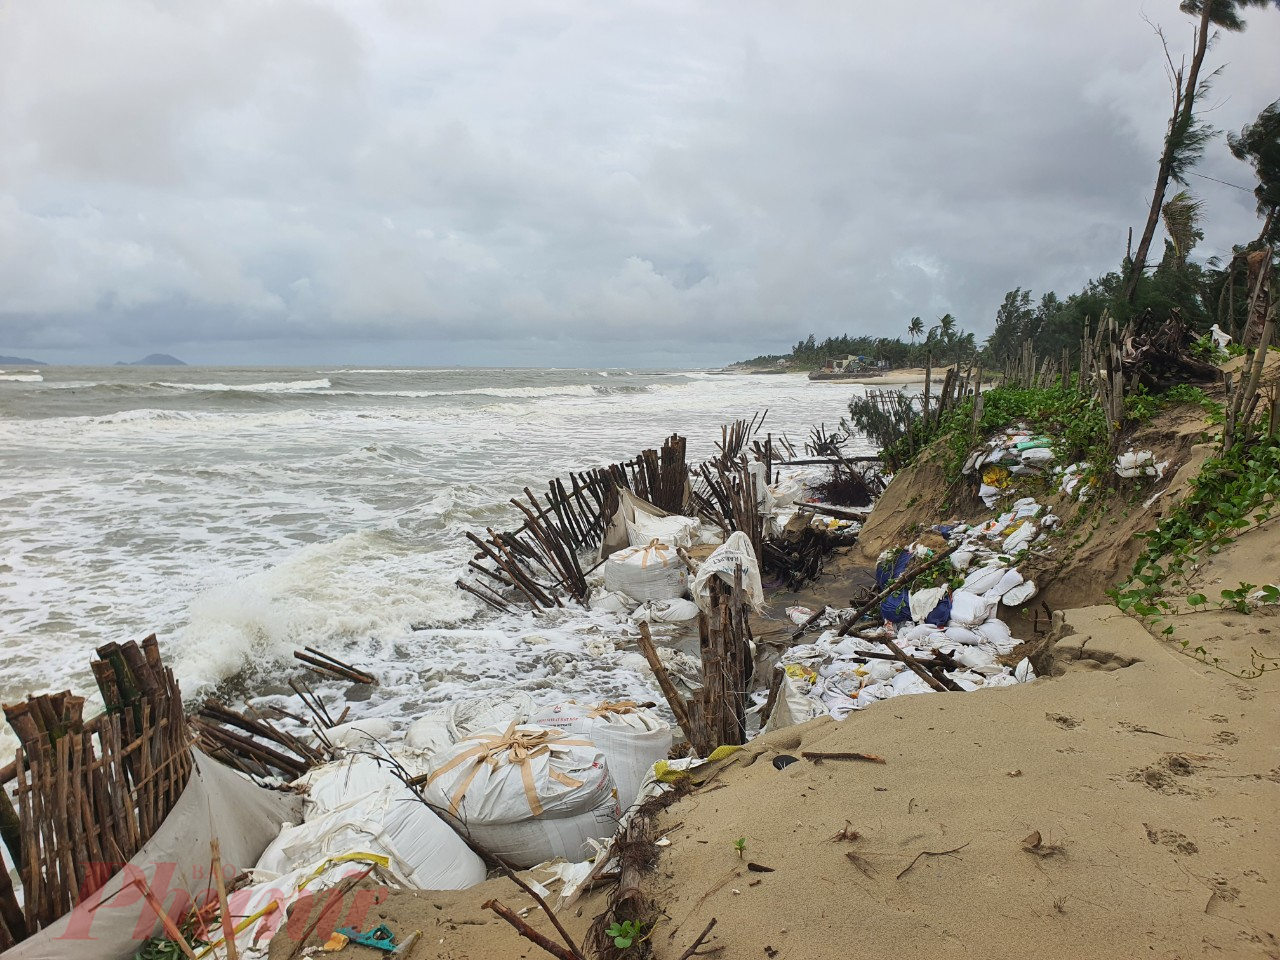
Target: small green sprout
[625, 933]
[740, 845]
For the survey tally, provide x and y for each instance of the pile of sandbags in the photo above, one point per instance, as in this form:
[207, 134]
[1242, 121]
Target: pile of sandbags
[1014, 453]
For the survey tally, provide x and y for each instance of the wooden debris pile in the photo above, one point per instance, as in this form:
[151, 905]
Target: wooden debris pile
[1162, 356]
[91, 792]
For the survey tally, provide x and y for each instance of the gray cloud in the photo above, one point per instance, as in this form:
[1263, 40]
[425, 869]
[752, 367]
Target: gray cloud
[297, 180]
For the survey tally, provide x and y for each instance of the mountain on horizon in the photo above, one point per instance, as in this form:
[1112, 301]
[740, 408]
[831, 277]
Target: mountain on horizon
[153, 360]
[24, 362]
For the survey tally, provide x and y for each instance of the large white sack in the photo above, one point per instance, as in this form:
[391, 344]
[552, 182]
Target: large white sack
[526, 793]
[611, 602]
[633, 738]
[996, 632]
[652, 572]
[1007, 582]
[984, 578]
[617, 535]
[358, 805]
[723, 561]
[674, 530]
[787, 491]
[969, 609]
[492, 710]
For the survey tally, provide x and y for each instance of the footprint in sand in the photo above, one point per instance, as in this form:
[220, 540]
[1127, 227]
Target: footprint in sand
[1226, 738]
[1171, 839]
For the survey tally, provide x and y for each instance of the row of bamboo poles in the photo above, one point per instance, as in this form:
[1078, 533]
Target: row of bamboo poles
[91, 792]
[540, 560]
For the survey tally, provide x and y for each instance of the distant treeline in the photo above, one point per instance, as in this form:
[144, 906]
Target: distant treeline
[1213, 292]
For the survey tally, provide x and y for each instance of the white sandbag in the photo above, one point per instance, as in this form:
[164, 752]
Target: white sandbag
[1008, 580]
[736, 551]
[1023, 672]
[958, 634]
[880, 670]
[961, 559]
[359, 733]
[709, 535]
[677, 610]
[632, 738]
[1038, 456]
[652, 572]
[984, 578]
[330, 786]
[357, 805]
[1020, 539]
[617, 531]
[526, 793]
[610, 601]
[908, 683]
[675, 531]
[428, 734]
[921, 635]
[969, 609]
[1020, 594]
[764, 499]
[493, 710]
[973, 657]
[787, 491]
[996, 632]
[793, 705]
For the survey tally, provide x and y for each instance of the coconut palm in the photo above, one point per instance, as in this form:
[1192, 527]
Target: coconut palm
[915, 328]
[1258, 145]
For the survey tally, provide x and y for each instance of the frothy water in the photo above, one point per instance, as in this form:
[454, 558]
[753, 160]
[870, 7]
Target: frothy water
[243, 513]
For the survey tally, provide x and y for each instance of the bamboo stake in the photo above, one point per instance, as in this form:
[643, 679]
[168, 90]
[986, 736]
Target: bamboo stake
[228, 932]
[668, 688]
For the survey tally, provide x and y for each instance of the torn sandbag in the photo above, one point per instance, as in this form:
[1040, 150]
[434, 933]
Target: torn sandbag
[724, 560]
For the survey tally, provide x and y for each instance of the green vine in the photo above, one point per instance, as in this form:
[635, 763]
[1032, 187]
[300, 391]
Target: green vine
[1233, 492]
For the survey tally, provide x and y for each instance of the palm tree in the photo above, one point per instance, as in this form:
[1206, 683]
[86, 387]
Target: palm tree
[1258, 145]
[915, 328]
[1187, 135]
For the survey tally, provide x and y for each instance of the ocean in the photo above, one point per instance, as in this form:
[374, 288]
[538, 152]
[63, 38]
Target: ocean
[242, 513]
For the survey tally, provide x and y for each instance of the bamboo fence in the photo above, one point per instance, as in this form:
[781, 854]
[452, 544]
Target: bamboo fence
[91, 793]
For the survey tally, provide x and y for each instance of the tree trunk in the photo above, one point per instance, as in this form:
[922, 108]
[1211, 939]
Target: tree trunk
[1184, 103]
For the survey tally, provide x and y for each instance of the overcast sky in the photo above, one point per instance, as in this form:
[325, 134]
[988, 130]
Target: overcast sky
[563, 182]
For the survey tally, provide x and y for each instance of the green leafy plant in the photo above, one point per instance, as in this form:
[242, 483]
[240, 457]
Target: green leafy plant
[625, 933]
[740, 845]
[1232, 493]
[159, 948]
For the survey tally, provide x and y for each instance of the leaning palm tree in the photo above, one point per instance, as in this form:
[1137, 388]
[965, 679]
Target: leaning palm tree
[915, 328]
